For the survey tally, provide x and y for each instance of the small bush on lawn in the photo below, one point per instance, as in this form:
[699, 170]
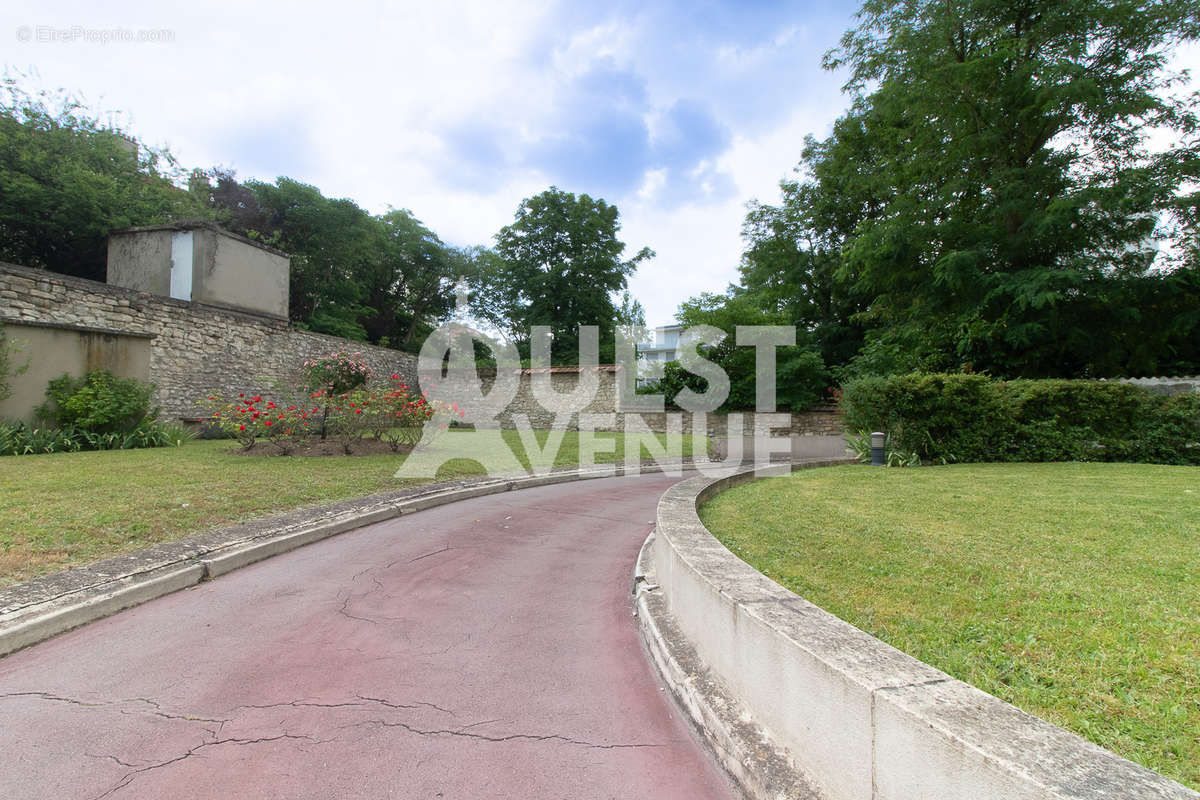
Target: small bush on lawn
[98, 402]
[971, 418]
[251, 419]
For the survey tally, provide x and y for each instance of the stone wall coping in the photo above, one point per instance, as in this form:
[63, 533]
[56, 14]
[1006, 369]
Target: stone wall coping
[858, 716]
[66, 326]
[133, 295]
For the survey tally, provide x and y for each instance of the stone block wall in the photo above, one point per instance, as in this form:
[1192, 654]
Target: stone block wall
[195, 349]
[820, 421]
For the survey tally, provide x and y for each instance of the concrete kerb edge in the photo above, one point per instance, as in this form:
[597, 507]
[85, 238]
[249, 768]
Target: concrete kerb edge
[39, 622]
[758, 766]
[937, 739]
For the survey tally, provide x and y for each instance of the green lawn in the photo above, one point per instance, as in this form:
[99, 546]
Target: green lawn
[1069, 590]
[71, 508]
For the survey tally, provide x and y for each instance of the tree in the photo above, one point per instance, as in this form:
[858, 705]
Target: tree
[67, 181]
[561, 267]
[800, 375]
[412, 286]
[1009, 139]
[385, 279]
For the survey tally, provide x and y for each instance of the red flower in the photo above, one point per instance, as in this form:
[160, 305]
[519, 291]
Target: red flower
[267, 423]
[241, 394]
[241, 427]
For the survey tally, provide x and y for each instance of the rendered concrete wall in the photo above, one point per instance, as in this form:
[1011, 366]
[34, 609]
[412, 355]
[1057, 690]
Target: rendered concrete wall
[864, 720]
[233, 273]
[226, 270]
[52, 351]
[141, 261]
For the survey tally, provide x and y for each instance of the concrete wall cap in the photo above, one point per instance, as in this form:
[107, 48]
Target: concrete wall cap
[924, 734]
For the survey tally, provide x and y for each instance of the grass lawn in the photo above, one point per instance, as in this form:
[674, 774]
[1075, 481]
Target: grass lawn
[1069, 590]
[68, 509]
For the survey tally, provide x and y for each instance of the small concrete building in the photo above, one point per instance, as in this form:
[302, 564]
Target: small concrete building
[200, 263]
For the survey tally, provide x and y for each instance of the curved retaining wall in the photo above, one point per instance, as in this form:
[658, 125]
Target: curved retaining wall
[859, 717]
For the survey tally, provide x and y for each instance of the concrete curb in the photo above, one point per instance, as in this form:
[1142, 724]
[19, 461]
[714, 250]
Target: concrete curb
[67, 600]
[854, 715]
[757, 765]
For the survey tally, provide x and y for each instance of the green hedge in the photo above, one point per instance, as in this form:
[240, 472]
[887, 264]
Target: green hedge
[963, 418]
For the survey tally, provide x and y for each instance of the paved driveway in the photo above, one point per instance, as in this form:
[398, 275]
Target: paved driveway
[483, 649]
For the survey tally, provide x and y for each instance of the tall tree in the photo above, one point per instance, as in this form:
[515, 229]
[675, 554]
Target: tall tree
[989, 198]
[385, 279]
[562, 267]
[67, 181]
[1012, 138]
[412, 287]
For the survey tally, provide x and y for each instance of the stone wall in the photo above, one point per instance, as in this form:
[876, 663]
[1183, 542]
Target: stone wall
[195, 349]
[820, 421]
[1168, 386]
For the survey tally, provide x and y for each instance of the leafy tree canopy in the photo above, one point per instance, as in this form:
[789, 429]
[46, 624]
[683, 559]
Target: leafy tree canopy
[558, 264]
[67, 180]
[800, 374]
[989, 200]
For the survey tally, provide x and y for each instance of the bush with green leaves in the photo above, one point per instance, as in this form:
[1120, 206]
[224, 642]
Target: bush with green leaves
[98, 402]
[801, 378]
[971, 418]
[19, 439]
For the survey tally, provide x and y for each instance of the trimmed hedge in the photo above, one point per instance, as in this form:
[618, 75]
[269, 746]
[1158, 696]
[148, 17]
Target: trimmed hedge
[965, 418]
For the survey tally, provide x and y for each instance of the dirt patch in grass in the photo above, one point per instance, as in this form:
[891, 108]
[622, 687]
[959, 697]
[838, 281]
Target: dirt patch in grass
[320, 449]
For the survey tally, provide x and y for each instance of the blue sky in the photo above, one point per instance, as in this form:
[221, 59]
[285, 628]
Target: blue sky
[677, 112]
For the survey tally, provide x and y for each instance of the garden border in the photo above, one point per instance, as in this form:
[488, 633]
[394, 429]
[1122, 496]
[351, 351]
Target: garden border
[789, 695]
[44, 607]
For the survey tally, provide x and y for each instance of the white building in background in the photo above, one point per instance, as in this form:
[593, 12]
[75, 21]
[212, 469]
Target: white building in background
[663, 349]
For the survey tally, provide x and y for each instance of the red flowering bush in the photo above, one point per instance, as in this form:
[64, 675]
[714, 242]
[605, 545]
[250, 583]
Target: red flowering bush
[391, 412]
[251, 419]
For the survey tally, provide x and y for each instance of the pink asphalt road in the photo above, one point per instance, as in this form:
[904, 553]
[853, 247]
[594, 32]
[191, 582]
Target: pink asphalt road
[484, 649]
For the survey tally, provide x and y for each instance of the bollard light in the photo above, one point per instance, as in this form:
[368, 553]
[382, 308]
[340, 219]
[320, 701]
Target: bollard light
[878, 442]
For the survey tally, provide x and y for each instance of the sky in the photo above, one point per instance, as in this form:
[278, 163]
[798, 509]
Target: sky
[677, 112]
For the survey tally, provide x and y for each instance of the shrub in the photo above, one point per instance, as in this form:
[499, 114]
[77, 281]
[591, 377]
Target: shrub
[252, 418]
[945, 418]
[801, 378]
[17, 439]
[98, 402]
[337, 373]
[330, 377]
[392, 413]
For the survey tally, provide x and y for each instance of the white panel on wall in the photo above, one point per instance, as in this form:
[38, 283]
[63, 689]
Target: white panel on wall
[181, 265]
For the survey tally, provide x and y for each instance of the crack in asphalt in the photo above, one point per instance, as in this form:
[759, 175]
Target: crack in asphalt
[362, 701]
[462, 733]
[132, 776]
[156, 711]
[445, 549]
